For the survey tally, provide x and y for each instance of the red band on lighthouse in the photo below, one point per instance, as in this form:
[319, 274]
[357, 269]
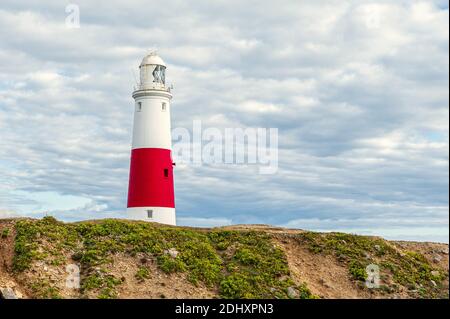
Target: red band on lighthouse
[151, 178]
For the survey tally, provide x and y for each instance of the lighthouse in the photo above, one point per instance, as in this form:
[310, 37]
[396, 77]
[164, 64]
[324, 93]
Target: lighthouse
[150, 190]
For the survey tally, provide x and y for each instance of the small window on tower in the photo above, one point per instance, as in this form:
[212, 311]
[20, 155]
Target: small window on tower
[163, 107]
[150, 213]
[166, 172]
[139, 107]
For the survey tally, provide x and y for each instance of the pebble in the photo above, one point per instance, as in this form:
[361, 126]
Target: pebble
[437, 258]
[7, 293]
[292, 292]
[325, 284]
[435, 273]
[172, 252]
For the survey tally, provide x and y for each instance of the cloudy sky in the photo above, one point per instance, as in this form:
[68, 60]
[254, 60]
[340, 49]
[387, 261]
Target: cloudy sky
[358, 91]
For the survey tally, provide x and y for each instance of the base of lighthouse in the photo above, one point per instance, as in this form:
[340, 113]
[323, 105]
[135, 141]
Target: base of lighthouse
[163, 215]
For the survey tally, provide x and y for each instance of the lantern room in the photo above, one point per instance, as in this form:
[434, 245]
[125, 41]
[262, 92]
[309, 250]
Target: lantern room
[152, 72]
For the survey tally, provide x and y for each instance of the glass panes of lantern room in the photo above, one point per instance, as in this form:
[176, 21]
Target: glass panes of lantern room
[159, 74]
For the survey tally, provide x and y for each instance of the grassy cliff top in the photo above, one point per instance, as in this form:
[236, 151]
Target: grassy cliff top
[120, 259]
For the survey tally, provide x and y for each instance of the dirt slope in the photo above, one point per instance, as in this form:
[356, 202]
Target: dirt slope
[7, 280]
[124, 259]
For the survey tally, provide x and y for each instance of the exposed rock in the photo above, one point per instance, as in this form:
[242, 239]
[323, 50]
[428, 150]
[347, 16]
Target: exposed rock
[325, 284]
[437, 258]
[377, 247]
[433, 283]
[172, 252]
[444, 251]
[435, 273]
[7, 293]
[412, 287]
[361, 285]
[292, 292]
[53, 271]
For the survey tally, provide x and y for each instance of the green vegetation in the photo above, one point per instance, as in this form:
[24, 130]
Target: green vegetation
[238, 264]
[103, 282]
[30, 234]
[142, 273]
[5, 233]
[357, 270]
[241, 264]
[44, 290]
[410, 269]
[254, 267]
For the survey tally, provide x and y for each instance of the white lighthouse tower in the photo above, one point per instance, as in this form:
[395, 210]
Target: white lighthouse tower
[151, 191]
